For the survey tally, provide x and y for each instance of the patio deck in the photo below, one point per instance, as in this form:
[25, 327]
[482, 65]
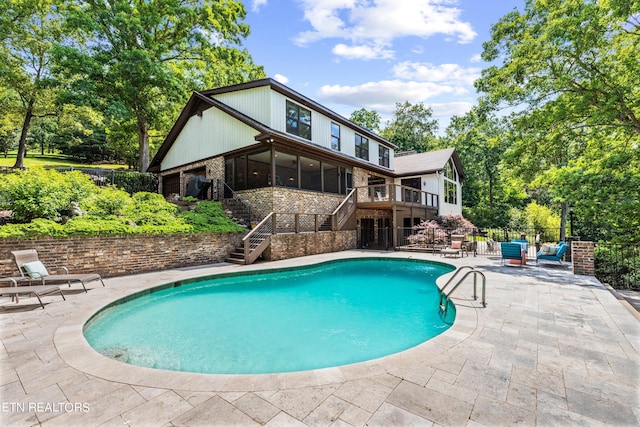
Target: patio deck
[550, 348]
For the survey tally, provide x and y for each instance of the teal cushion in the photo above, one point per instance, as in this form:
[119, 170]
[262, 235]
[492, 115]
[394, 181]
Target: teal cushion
[35, 269]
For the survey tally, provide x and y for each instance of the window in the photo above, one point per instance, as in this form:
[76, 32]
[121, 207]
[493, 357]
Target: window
[310, 176]
[450, 171]
[335, 136]
[450, 192]
[286, 170]
[362, 147]
[331, 176]
[298, 120]
[383, 156]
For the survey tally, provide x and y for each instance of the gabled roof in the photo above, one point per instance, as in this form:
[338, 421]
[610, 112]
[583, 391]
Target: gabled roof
[301, 99]
[204, 100]
[425, 163]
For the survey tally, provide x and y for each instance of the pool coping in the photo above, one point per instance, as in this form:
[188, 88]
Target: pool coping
[77, 353]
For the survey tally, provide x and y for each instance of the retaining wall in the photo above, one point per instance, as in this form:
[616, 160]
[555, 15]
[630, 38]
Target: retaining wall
[121, 255]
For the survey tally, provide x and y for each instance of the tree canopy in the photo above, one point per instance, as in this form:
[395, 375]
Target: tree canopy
[412, 127]
[142, 58]
[569, 71]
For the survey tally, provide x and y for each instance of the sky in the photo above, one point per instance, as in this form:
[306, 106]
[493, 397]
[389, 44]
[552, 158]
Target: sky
[352, 54]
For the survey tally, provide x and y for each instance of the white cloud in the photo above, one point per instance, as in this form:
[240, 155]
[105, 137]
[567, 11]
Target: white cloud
[452, 74]
[362, 52]
[476, 58]
[257, 4]
[382, 21]
[451, 108]
[382, 96]
[281, 79]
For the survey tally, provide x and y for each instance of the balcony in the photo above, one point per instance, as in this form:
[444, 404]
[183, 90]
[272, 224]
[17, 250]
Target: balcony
[387, 196]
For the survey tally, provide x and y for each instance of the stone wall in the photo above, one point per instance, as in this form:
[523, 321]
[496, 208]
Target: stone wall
[121, 255]
[285, 200]
[583, 259]
[285, 246]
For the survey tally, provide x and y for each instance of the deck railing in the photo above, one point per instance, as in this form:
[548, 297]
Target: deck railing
[396, 193]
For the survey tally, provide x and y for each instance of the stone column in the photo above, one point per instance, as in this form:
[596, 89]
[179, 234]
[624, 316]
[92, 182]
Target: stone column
[582, 254]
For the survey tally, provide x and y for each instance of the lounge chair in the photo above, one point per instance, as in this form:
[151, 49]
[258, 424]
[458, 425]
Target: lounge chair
[31, 267]
[551, 253]
[15, 291]
[456, 247]
[512, 251]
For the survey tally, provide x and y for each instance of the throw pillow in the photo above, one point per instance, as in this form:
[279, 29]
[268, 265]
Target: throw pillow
[544, 250]
[456, 244]
[35, 269]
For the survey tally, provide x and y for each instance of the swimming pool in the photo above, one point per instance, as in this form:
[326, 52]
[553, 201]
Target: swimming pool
[286, 320]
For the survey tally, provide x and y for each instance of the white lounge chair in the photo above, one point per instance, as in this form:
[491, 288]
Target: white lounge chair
[32, 268]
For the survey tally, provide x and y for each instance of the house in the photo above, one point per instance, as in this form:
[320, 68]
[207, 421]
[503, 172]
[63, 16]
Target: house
[297, 167]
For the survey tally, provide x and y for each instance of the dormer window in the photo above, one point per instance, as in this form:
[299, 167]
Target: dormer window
[298, 120]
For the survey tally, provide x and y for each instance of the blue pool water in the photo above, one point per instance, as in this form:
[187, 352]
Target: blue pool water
[325, 315]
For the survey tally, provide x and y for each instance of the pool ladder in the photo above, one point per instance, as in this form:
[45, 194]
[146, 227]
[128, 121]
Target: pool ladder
[445, 297]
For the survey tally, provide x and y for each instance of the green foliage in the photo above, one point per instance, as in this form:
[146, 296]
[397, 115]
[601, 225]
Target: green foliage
[618, 265]
[174, 52]
[135, 182]
[368, 119]
[107, 201]
[209, 216]
[40, 197]
[37, 227]
[43, 193]
[33, 28]
[412, 128]
[537, 218]
[571, 69]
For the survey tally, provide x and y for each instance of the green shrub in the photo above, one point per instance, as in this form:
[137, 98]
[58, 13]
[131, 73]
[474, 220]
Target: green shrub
[37, 227]
[107, 201]
[209, 216]
[43, 193]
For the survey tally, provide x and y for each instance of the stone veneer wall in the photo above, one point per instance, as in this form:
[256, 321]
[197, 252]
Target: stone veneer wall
[583, 259]
[285, 200]
[285, 246]
[121, 255]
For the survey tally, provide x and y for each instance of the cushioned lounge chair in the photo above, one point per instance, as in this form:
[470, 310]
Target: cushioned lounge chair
[561, 248]
[31, 267]
[511, 251]
[456, 247]
[15, 291]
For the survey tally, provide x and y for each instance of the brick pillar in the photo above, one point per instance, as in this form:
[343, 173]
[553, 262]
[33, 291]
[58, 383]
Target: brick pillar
[583, 258]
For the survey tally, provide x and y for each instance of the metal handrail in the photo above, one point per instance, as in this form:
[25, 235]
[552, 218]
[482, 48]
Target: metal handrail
[444, 307]
[234, 196]
[453, 277]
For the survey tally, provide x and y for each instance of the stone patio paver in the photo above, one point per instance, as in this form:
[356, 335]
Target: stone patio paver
[550, 348]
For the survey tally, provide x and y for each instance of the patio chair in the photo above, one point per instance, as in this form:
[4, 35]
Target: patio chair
[456, 247]
[14, 291]
[552, 252]
[511, 251]
[31, 267]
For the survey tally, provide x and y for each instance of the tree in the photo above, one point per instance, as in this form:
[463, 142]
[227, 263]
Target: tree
[142, 58]
[569, 69]
[481, 140]
[412, 128]
[367, 119]
[581, 55]
[25, 60]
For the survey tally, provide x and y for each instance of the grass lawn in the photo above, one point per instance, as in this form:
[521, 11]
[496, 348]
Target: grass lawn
[53, 160]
